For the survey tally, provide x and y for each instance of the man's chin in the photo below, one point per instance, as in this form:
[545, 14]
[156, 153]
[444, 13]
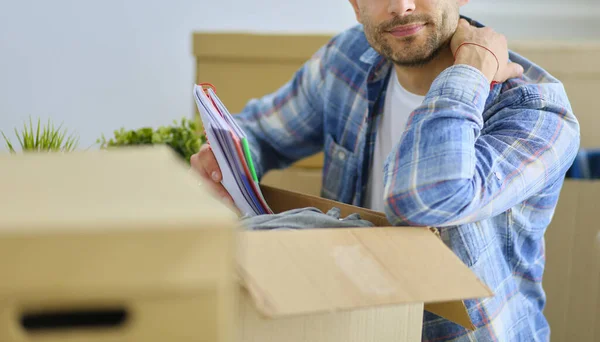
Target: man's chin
[402, 42]
[410, 56]
[414, 60]
[406, 47]
[411, 63]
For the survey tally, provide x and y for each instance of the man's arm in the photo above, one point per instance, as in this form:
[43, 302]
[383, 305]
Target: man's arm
[448, 170]
[287, 125]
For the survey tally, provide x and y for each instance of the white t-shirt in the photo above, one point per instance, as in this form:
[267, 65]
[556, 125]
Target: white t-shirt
[398, 106]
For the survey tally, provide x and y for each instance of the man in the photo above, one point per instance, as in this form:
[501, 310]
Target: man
[424, 116]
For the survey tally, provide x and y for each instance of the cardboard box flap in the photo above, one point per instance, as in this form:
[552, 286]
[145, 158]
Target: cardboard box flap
[324, 270]
[148, 186]
[283, 200]
[454, 311]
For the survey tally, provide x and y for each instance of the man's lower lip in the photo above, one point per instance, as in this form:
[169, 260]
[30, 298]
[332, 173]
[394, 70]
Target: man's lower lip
[407, 31]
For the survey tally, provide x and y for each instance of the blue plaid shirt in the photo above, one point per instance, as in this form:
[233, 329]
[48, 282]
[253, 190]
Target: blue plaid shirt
[483, 165]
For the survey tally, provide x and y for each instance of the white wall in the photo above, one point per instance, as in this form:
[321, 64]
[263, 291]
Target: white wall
[539, 19]
[100, 65]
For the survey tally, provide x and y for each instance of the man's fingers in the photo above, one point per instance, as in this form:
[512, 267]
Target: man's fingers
[216, 188]
[463, 22]
[208, 162]
[512, 70]
[196, 164]
[205, 163]
[515, 70]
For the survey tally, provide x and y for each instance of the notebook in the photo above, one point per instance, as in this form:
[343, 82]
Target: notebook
[230, 147]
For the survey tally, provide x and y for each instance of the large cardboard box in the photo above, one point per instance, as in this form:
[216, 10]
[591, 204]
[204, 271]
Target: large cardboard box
[115, 246]
[125, 246]
[359, 284]
[572, 276]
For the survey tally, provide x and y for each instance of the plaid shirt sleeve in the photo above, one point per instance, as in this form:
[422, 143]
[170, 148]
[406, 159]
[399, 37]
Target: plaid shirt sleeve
[450, 169]
[287, 125]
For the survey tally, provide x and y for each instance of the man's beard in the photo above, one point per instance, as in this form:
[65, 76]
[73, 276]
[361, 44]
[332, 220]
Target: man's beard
[410, 55]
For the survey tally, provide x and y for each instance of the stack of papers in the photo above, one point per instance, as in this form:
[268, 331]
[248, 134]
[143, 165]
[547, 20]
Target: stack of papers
[230, 147]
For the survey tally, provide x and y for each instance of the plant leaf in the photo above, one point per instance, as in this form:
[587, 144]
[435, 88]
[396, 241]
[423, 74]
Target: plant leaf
[19, 138]
[8, 144]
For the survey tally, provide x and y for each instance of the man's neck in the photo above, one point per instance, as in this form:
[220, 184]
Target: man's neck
[418, 80]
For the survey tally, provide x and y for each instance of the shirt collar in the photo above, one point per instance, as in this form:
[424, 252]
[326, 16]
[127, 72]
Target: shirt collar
[378, 65]
[370, 56]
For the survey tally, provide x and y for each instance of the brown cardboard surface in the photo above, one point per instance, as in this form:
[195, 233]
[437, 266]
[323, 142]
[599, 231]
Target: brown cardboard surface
[387, 323]
[281, 200]
[398, 245]
[572, 278]
[585, 270]
[128, 229]
[296, 179]
[559, 240]
[55, 191]
[323, 270]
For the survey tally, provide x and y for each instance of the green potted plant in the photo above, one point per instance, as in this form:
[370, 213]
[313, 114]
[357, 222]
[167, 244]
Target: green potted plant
[46, 138]
[184, 137]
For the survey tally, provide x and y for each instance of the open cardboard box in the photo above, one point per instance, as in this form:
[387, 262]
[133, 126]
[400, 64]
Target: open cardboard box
[572, 242]
[131, 232]
[359, 284]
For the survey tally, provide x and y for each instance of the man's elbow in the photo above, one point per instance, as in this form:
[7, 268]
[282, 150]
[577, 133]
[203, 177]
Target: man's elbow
[432, 205]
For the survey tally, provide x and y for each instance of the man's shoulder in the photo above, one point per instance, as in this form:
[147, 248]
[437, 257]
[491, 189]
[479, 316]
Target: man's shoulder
[536, 84]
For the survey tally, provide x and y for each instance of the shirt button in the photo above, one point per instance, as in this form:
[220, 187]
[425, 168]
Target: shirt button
[498, 175]
[341, 155]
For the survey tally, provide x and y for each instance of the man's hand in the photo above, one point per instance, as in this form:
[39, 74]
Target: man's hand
[494, 68]
[205, 163]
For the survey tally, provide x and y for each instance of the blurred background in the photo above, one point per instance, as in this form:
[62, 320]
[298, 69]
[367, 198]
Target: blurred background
[96, 66]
